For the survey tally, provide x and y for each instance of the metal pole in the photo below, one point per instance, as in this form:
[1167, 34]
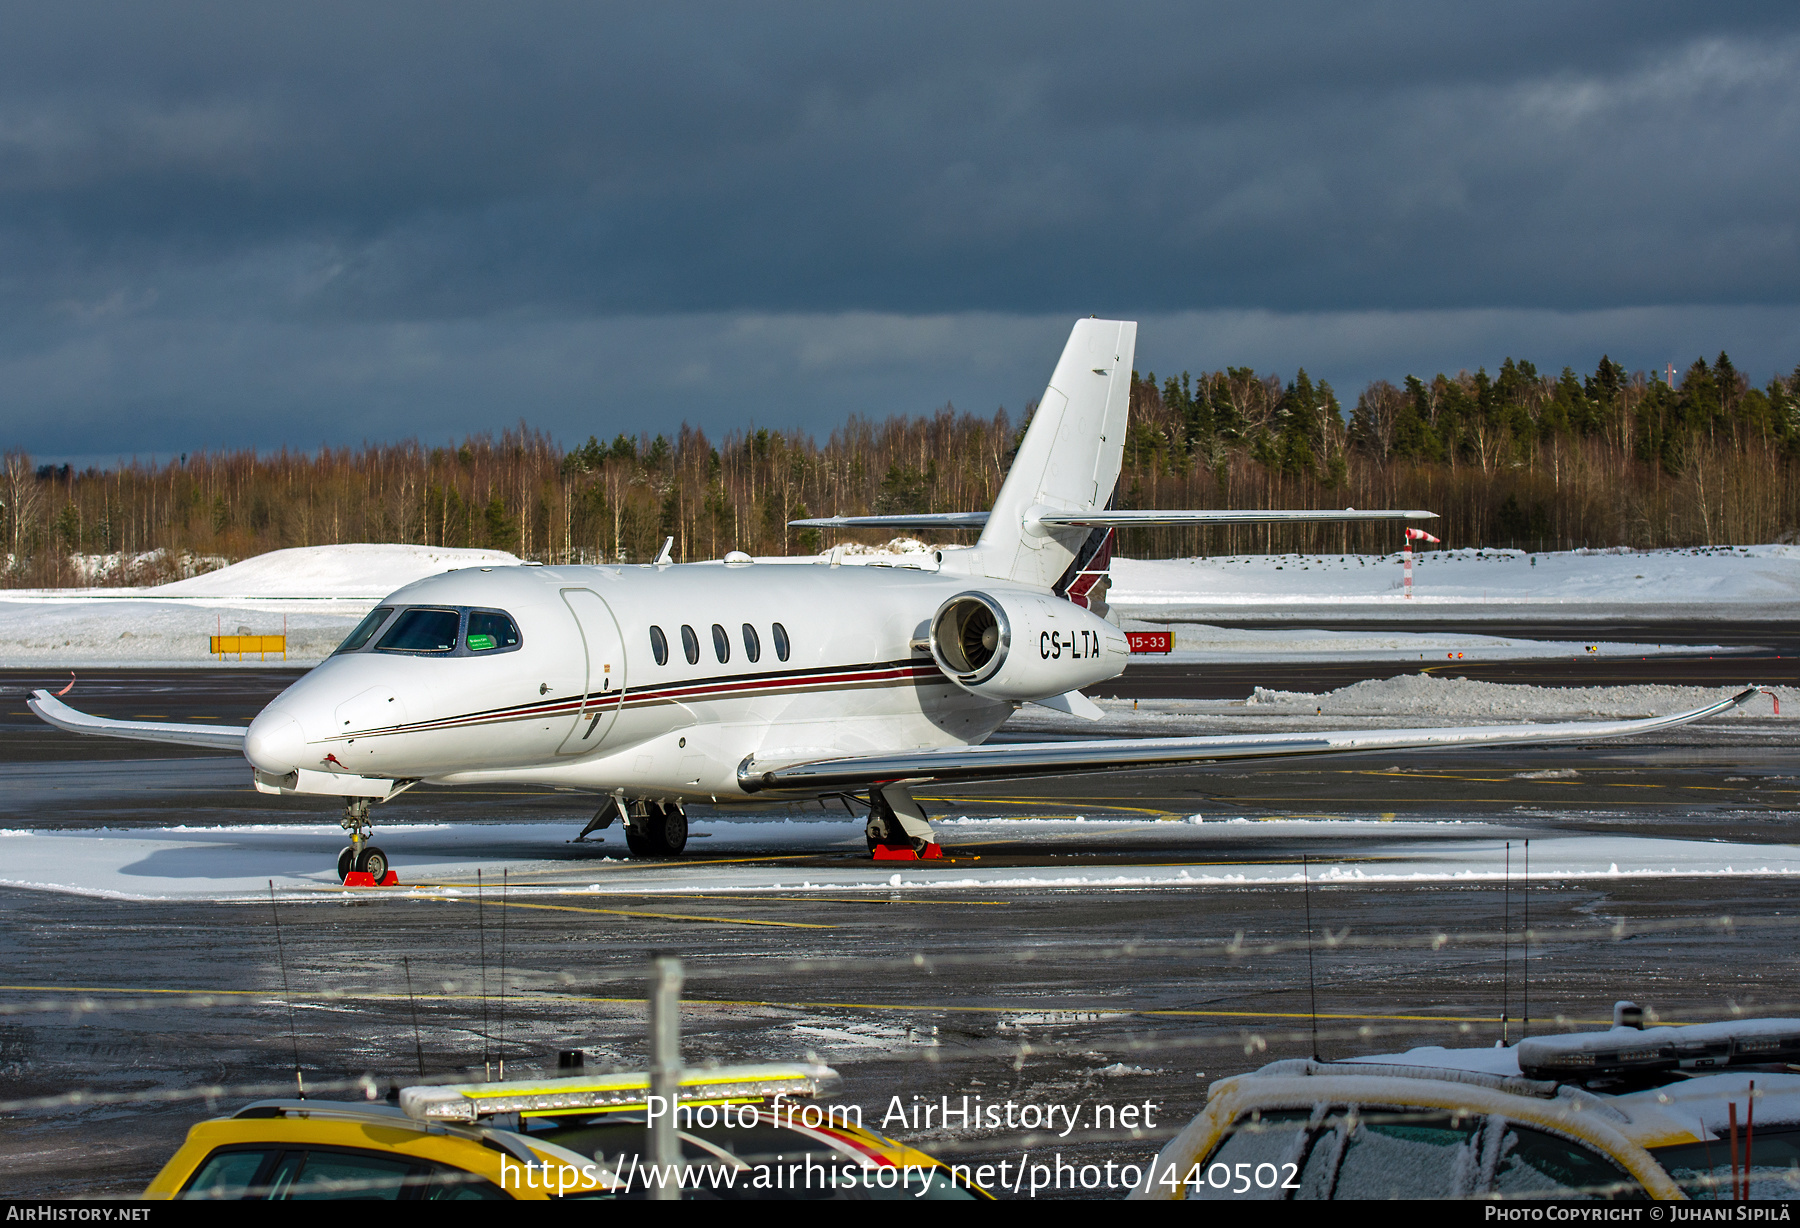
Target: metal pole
[665, 1073]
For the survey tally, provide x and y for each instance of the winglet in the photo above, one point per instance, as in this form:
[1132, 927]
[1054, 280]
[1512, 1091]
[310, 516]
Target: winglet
[53, 711]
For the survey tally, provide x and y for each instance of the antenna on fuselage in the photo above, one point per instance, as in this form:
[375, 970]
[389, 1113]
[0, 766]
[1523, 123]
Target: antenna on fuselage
[665, 556]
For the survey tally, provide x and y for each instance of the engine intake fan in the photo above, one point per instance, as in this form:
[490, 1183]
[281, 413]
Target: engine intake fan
[970, 637]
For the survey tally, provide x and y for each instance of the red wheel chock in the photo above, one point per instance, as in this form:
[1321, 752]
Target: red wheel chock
[904, 852]
[362, 878]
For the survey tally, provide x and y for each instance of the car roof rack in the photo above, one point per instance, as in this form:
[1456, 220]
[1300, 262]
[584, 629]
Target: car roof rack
[1359, 1068]
[471, 1102]
[1625, 1050]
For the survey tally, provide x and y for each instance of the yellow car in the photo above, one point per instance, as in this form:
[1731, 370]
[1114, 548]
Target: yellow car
[747, 1132]
[1704, 1111]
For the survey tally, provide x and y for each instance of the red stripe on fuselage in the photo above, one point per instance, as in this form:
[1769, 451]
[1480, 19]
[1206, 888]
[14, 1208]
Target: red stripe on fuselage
[834, 678]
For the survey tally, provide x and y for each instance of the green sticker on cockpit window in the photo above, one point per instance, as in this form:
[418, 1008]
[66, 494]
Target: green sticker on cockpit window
[480, 643]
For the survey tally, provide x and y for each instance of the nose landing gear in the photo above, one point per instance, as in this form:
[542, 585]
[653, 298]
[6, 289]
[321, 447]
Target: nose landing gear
[361, 864]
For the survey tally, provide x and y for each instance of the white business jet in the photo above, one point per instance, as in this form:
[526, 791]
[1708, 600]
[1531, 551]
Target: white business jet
[658, 685]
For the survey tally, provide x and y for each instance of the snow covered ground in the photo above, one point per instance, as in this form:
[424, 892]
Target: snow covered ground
[237, 863]
[318, 593]
[1739, 581]
[315, 594]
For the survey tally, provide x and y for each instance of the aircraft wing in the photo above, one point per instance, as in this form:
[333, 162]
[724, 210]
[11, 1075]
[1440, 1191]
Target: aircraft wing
[1018, 759]
[54, 711]
[1111, 519]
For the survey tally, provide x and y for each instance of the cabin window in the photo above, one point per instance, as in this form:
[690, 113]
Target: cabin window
[721, 644]
[423, 630]
[781, 641]
[491, 631]
[690, 645]
[659, 646]
[366, 629]
[752, 644]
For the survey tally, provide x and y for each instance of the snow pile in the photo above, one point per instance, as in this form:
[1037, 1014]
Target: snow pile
[1730, 576]
[350, 571]
[1465, 698]
[898, 546]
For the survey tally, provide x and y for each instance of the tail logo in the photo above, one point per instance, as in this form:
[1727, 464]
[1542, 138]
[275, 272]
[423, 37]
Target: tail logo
[1087, 578]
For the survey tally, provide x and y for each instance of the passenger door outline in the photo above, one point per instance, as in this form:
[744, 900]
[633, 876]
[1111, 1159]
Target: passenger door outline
[603, 690]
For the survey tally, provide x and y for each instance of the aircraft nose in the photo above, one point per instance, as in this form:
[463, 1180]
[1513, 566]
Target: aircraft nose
[275, 743]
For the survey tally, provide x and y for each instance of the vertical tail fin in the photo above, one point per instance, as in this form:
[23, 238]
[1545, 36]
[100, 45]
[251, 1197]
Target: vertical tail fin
[1068, 462]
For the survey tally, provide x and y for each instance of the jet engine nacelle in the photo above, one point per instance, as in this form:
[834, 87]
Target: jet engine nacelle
[1023, 647]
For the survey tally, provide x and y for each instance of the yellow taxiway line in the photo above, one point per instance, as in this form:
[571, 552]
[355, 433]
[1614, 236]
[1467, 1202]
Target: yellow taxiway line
[625, 912]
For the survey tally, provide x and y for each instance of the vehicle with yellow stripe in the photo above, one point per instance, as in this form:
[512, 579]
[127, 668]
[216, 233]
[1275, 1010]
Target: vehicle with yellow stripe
[745, 1132]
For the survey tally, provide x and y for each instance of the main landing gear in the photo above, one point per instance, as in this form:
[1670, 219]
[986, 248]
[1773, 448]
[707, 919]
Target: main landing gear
[361, 864]
[652, 829]
[897, 829]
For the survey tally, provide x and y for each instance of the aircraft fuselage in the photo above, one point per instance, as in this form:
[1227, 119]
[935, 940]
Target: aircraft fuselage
[659, 681]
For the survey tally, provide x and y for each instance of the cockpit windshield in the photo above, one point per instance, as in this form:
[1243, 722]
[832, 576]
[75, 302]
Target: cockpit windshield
[448, 631]
[365, 629]
[423, 630]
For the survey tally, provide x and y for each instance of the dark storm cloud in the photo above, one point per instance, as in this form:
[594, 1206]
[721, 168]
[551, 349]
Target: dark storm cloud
[319, 211]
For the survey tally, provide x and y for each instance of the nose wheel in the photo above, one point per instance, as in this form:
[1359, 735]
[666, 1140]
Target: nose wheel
[373, 862]
[361, 864]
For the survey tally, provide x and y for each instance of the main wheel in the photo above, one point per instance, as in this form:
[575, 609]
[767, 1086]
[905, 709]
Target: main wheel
[638, 843]
[671, 833]
[878, 831]
[374, 863]
[346, 862]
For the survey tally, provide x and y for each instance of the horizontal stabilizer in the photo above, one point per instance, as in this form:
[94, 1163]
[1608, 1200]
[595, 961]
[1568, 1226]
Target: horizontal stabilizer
[1053, 758]
[56, 712]
[920, 520]
[1134, 520]
[1111, 519]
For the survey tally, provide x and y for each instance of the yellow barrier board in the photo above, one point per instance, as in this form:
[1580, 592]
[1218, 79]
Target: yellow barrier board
[261, 645]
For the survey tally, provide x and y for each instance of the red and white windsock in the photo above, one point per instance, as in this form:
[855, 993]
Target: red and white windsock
[1406, 554]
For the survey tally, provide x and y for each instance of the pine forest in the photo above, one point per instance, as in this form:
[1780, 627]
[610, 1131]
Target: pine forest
[1515, 459]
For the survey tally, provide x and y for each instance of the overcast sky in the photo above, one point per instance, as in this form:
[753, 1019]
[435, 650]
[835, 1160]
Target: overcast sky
[234, 225]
